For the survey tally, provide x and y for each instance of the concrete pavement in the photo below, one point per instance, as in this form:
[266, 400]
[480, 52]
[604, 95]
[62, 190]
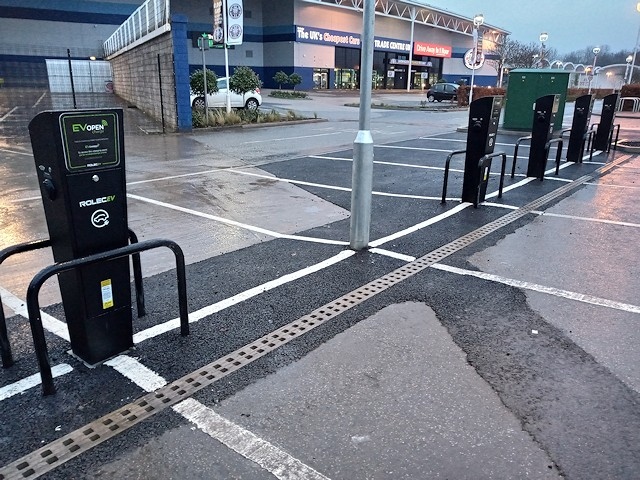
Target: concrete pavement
[511, 357]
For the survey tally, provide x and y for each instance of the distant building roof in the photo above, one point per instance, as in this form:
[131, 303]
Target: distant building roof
[423, 13]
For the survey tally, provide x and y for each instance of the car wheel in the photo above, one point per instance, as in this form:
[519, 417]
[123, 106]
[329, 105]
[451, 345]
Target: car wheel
[252, 104]
[431, 98]
[198, 103]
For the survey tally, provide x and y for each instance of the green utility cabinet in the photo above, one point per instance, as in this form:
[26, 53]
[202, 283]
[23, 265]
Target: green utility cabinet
[526, 85]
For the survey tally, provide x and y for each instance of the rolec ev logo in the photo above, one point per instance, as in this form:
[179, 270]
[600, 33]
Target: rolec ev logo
[86, 127]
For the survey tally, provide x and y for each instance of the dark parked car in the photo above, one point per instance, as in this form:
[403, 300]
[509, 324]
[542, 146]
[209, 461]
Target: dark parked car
[443, 91]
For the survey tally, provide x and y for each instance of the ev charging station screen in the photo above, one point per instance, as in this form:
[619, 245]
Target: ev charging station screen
[90, 140]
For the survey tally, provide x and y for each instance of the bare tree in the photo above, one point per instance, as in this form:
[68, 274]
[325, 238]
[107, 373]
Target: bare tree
[515, 54]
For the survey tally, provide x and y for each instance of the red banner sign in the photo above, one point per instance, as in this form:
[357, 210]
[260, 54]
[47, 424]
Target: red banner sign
[431, 50]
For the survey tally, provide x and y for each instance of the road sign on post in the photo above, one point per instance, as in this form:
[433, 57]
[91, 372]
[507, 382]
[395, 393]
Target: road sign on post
[218, 23]
[235, 22]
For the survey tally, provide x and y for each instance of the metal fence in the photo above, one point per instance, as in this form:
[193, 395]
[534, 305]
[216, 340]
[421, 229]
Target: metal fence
[88, 76]
[149, 20]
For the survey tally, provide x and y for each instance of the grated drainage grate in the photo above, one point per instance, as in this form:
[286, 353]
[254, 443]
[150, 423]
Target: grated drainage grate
[64, 449]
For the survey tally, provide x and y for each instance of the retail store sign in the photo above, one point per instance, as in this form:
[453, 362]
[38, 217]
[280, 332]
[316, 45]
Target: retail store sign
[468, 60]
[431, 50]
[322, 36]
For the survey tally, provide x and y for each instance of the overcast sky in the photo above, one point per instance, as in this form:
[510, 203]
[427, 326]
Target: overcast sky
[571, 24]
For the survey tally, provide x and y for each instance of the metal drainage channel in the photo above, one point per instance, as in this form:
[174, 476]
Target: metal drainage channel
[83, 439]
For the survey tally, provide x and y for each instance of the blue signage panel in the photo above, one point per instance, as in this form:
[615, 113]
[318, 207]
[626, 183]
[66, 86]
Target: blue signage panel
[323, 36]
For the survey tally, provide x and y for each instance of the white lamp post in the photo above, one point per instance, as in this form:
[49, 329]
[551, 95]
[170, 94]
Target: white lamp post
[543, 38]
[635, 49]
[596, 51]
[626, 72]
[477, 21]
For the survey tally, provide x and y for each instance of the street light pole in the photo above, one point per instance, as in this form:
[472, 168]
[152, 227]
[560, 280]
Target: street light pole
[477, 21]
[596, 51]
[626, 72]
[544, 36]
[362, 167]
[635, 49]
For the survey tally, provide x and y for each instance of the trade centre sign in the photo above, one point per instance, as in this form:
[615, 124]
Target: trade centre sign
[322, 36]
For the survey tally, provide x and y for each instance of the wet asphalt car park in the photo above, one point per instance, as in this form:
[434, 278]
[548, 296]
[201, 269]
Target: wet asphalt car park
[497, 342]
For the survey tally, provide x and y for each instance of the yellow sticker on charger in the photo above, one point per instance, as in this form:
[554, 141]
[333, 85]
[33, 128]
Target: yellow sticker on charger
[107, 294]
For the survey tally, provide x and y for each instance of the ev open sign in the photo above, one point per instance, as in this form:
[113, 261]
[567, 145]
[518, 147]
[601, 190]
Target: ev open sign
[90, 140]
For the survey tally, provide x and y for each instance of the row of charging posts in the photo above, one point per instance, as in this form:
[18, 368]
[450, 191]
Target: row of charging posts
[484, 115]
[80, 163]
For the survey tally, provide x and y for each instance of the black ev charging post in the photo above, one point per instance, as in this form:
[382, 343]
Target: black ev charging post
[544, 115]
[602, 140]
[80, 162]
[579, 128]
[484, 115]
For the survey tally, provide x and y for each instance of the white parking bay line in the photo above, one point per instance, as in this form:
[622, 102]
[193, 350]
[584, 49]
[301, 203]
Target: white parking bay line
[579, 297]
[49, 323]
[240, 297]
[246, 443]
[271, 140]
[31, 381]
[6, 115]
[276, 461]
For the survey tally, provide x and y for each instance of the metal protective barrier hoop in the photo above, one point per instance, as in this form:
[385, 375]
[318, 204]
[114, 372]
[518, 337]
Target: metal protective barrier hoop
[515, 154]
[33, 307]
[558, 154]
[446, 173]
[482, 163]
[5, 345]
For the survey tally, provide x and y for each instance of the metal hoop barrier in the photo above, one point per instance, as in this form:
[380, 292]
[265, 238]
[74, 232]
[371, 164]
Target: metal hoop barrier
[33, 306]
[446, 173]
[515, 154]
[615, 144]
[486, 161]
[635, 103]
[5, 345]
[558, 153]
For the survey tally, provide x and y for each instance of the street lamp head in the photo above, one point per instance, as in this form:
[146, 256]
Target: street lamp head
[638, 6]
[544, 36]
[478, 19]
[596, 50]
[629, 58]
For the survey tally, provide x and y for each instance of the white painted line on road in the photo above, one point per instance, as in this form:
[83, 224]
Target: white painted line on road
[579, 297]
[612, 185]
[568, 217]
[276, 461]
[242, 441]
[7, 114]
[26, 154]
[396, 255]
[408, 165]
[420, 226]
[333, 187]
[240, 297]
[173, 177]
[40, 99]
[138, 373]
[233, 223]
[525, 181]
[31, 381]
[271, 140]
[396, 147]
[49, 323]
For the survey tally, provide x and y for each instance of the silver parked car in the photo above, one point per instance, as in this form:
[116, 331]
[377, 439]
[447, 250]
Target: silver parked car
[250, 100]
